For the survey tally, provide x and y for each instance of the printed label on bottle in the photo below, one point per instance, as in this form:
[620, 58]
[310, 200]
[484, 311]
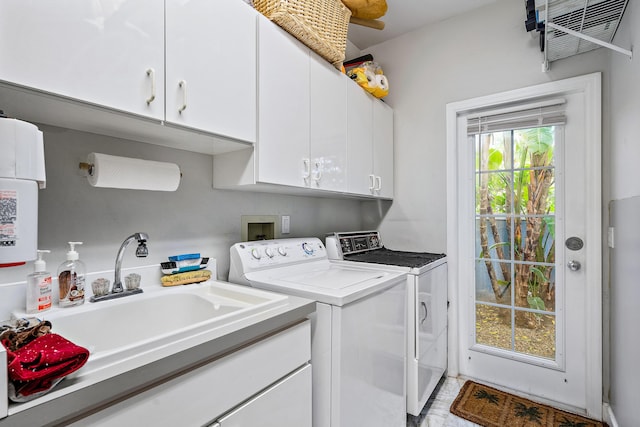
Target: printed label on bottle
[71, 288]
[44, 294]
[77, 290]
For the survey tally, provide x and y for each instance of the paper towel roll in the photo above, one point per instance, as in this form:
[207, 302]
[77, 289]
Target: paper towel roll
[137, 174]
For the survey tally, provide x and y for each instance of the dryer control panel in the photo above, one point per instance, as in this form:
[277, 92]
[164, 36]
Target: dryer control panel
[341, 244]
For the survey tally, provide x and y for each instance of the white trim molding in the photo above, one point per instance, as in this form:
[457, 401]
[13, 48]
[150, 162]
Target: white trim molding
[608, 416]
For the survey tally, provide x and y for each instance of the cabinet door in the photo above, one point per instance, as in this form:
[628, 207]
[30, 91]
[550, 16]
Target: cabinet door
[288, 403]
[109, 53]
[328, 126]
[383, 149]
[360, 177]
[283, 99]
[211, 66]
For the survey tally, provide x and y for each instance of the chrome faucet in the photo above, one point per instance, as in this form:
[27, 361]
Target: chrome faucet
[117, 290]
[141, 252]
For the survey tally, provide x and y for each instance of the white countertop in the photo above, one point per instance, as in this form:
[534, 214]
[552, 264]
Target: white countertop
[96, 385]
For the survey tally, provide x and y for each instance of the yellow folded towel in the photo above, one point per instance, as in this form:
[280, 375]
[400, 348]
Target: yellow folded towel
[185, 278]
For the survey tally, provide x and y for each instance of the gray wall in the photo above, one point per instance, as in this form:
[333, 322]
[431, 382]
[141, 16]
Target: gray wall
[195, 218]
[625, 215]
[625, 316]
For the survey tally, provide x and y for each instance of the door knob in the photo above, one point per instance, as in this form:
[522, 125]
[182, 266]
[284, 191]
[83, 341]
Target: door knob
[574, 265]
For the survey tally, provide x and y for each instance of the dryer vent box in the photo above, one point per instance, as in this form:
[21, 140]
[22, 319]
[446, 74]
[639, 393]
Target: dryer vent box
[260, 227]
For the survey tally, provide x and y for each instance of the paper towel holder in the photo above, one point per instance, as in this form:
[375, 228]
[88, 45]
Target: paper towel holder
[86, 169]
[90, 171]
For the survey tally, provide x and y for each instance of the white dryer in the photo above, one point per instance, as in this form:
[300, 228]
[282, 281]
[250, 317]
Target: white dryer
[426, 305]
[358, 347]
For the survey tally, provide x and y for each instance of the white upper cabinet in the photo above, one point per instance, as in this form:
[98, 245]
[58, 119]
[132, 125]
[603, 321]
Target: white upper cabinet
[302, 115]
[283, 105]
[383, 159]
[109, 53]
[369, 144]
[328, 126]
[361, 179]
[211, 66]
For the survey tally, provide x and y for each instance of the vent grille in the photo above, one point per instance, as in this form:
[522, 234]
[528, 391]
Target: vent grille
[595, 18]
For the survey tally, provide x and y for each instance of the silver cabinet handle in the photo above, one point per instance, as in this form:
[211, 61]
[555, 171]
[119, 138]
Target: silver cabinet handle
[372, 184]
[151, 73]
[306, 171]
[183, 84]
[574, 265]
[318, 172]
[378, 183]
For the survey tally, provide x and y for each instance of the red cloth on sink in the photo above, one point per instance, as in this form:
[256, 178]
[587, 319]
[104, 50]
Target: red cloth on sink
[35, 367]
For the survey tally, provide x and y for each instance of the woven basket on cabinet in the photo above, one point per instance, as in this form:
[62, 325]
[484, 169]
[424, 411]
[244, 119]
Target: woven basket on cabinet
[320, 24]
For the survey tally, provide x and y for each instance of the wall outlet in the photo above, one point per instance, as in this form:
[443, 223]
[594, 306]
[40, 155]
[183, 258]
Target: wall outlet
[286, 224]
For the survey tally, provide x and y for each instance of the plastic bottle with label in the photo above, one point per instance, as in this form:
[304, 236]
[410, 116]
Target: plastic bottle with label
[71, 278]
[39, 286]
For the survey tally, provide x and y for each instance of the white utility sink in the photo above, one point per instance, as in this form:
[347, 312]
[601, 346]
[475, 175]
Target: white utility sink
[118, 330]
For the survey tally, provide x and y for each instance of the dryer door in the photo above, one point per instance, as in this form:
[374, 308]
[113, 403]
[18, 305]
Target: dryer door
[430, 329]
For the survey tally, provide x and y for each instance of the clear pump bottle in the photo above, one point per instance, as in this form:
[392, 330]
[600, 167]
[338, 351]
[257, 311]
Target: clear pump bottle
[71, 278]
[39, 286]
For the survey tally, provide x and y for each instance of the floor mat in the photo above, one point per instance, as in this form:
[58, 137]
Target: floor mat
[490, 407]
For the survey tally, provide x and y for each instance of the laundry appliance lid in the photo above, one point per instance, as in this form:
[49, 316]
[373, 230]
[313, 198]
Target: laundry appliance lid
[330, 283]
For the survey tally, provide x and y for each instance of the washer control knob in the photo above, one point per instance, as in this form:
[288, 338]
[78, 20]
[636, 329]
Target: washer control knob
[255, 252]
[307, 248]
[282, 251]
[269, 252]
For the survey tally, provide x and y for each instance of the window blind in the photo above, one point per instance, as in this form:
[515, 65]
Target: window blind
[544, 113]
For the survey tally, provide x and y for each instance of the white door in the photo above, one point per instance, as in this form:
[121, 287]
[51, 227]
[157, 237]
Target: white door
[109, 53]
[211, 66]
[525, 239]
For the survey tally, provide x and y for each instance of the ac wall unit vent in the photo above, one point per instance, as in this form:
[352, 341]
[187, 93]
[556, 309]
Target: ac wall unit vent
[571, 27]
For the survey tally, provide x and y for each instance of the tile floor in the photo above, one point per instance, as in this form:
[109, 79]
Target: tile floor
[436, 411]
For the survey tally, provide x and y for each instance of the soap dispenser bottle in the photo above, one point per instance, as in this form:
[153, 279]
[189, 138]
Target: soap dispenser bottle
[71, 277]
[39, 286]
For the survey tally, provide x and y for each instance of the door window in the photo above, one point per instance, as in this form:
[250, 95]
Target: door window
[515, 283]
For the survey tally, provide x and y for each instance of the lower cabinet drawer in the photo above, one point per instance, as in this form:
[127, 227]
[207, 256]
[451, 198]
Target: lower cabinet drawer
[287, 403]
[204, 394]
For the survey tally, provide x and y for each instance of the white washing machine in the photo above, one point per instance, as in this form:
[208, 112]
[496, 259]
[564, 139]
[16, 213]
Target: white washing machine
[358, 343]
[426, 302]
